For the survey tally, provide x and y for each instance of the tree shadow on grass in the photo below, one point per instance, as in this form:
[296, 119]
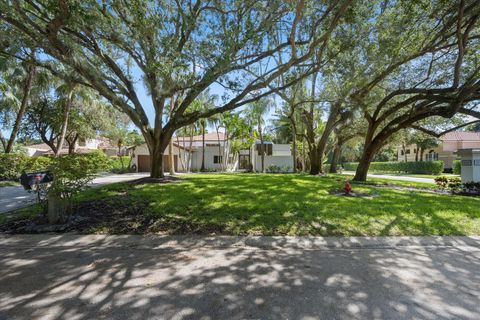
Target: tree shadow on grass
[302, 205]
[128, 278]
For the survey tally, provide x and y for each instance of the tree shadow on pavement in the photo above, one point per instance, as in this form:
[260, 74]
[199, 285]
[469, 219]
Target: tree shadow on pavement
[188, 280]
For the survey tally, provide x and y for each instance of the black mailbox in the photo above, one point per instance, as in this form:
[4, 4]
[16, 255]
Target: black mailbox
[28, 180]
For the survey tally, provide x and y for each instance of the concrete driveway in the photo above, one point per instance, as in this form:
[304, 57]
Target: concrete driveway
[134, 277]
[12, 198]
[393, 177]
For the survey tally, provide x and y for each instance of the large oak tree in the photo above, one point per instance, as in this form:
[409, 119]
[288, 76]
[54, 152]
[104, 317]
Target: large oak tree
[175, 48]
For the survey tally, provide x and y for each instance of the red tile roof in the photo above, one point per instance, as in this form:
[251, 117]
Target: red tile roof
[461, 136]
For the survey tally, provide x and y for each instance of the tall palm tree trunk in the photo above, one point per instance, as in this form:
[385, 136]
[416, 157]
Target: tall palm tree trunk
[23, 107]
[202, 168]
[171, 161]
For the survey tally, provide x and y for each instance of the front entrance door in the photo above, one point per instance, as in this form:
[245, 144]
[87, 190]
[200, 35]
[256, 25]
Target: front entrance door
[243, 161]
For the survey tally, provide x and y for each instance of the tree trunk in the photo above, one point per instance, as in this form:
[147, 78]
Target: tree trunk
[202, 168]
[263, 146]
[71, 144]
[421, 154]
[170, 144]
[156, 169]
[337, 150]
[220, 155]
[314, 162]
[294, 148]
[23, 107]
[369, 151]
[2, 140]
[416, 154]
[171, 164]
[66, 114]
[189, 161]
[304, 159]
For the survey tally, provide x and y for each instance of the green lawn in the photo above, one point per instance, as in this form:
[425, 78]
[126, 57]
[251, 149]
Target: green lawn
[298, 205]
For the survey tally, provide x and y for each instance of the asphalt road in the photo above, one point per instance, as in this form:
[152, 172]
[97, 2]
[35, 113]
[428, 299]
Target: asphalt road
[133, 277]
[12, 198]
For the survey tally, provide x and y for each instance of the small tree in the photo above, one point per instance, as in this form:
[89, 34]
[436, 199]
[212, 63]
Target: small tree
[71, 174]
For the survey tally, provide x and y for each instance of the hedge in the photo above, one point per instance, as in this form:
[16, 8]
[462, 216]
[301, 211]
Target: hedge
[457, 166]
[115, 164]
[12, 165]
[422, 167]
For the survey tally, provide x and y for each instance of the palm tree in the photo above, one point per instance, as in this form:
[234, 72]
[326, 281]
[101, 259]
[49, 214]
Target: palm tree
[18, 83]
[206, 101]
[259, 110]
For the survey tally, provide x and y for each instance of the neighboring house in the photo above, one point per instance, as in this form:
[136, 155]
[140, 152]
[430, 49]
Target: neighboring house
[81, 146]
[448, 145]
[186, 149]
[36, 150]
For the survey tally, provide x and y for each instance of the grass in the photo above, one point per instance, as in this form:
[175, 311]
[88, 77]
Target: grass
[300, 205]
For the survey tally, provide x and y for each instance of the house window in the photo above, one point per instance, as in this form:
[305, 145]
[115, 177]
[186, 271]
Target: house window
[408, 151]
[402, 152]
[217, 159]
[211, 144]
[414, 150]
[267, 147]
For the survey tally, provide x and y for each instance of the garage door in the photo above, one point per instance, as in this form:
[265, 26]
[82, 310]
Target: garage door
[144, 163]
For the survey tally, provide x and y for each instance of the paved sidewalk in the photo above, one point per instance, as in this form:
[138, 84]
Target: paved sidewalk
[393, 177]
[12, 198]
[167, 277]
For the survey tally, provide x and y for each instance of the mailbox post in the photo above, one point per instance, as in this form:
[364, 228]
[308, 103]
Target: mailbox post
[470, 160]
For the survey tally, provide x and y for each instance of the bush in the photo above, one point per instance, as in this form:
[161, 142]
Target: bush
[277, 169]
[115, 164]
[457, 166]
[449, 183]
[421, 167]
[38, 164]
[274, 168]
[12, 165]
[472, 187]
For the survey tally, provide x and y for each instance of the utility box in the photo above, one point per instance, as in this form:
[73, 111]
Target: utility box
[470, 159]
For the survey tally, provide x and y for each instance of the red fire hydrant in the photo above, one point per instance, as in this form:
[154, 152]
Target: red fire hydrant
[348, 187]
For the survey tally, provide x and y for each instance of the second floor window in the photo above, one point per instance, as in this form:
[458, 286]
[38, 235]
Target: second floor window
[268, 149]
[217, 159]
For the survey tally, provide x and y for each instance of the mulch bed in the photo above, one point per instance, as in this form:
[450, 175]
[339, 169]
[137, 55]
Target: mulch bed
[147, 180]
[352, 194]
[115, 215]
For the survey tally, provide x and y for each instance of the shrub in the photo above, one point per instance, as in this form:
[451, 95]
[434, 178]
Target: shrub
[422, 167]
[115, 164]
[449, 183]
[71, 174]
[274, 168]
[12, 165]
[277, 169]
[472, 187]
[457, 166]
[38, 164]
